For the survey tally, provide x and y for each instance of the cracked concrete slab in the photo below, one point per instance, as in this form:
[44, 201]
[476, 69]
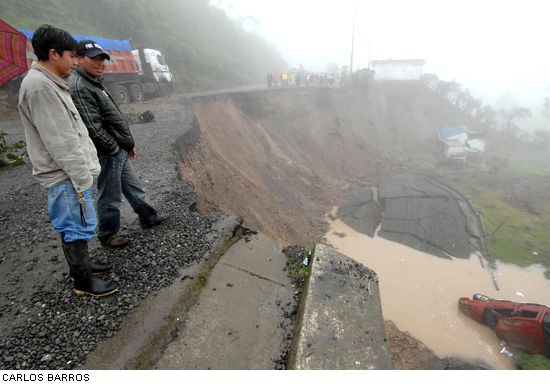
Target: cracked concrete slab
[342, 325]
[148, 327]
[236, 322]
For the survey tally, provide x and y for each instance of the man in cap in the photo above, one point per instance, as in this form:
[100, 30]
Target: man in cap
[114, 143]
[63, 157]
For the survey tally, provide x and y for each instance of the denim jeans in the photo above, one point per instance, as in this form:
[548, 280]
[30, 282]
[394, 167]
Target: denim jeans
[66, 215]
[117, 177]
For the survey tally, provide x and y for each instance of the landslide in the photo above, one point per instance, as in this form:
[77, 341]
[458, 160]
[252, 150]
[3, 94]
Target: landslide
[282, 158]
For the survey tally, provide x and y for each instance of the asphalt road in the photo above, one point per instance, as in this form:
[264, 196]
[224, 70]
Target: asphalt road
[417, 212]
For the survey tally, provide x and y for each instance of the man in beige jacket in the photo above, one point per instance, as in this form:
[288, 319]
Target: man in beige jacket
[64, 158]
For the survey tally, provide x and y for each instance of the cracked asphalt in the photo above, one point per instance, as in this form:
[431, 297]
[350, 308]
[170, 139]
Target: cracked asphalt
[419, 213]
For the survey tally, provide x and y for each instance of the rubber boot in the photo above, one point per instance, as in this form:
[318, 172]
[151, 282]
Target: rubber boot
[84, 282]
[97, 268]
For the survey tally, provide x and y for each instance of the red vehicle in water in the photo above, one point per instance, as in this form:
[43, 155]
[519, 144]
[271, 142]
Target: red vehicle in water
[524, 326]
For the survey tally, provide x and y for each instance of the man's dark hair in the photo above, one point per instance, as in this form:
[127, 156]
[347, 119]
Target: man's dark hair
[47, 37]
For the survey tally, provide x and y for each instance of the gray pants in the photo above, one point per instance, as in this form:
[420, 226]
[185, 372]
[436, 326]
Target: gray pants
[117, 177]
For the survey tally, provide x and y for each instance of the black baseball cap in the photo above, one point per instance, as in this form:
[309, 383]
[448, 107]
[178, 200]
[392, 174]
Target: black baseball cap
[91, 49]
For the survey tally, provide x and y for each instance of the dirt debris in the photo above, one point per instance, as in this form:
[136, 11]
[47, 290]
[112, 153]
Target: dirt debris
[281, 160]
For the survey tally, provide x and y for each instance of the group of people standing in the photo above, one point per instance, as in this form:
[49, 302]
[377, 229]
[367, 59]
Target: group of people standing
[298, 78]
[74, 132]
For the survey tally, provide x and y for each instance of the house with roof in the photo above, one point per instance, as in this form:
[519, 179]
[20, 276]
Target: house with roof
[403, 69]
[460, 142]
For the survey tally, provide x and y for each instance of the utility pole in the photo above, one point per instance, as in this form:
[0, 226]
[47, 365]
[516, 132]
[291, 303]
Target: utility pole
[369, 53]
[352, 41]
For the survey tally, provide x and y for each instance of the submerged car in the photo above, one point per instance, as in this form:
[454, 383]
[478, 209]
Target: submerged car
[524, 326]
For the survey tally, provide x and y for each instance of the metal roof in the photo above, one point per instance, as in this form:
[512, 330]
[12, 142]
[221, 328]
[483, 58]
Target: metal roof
[110, 44]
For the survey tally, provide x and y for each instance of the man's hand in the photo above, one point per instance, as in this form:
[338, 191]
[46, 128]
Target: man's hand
[132, 154]
[82, 201]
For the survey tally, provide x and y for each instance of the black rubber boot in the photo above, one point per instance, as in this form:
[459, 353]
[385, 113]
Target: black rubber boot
[84, 281]
[97, 268]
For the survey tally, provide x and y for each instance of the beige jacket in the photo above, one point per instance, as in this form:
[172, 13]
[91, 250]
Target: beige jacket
[57, 140]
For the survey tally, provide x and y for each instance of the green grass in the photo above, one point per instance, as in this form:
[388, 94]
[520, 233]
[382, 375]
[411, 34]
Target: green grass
[519, 168]
[514, 234]
[298, 271]
[533, 362]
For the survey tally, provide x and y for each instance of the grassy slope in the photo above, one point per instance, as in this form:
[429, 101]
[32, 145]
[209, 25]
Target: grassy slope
[517, 219]
[204, 48]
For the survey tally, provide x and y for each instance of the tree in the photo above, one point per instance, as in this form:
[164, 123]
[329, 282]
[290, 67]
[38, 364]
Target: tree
[541, 139]
[487, 115]
[546, 110]
[512, 114]
[430, 80]
[456, 93]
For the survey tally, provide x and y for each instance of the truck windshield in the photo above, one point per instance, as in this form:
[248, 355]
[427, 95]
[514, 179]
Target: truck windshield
[160, 59]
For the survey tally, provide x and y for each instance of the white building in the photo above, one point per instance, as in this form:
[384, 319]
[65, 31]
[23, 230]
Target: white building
[459, 142]
[406, 69]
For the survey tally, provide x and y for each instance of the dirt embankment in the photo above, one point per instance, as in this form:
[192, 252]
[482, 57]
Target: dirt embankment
[282, 158]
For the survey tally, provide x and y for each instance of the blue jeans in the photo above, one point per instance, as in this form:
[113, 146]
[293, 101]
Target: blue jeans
[117, 177]
[66, 215]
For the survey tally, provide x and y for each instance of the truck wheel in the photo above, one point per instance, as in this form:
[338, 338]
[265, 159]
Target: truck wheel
[137, 93]
[123, 96]
[164, 90]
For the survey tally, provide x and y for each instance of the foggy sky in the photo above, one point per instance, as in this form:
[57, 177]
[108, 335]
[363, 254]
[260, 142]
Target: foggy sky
[493, 48]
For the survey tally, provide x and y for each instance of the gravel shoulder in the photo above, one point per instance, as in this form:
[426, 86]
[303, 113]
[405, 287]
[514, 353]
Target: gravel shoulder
[43, 325]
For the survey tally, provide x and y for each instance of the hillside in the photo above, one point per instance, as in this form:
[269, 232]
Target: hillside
[281, 159]
[204, 48]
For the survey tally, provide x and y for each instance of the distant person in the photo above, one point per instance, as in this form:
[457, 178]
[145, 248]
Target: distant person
[293, 79]
[269, 80]
[63, 157]
[344, 76]
[284, 79]
[115, 146]
[274, 80]
[277, 81]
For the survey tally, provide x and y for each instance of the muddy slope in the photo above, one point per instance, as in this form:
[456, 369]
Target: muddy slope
[281, 158]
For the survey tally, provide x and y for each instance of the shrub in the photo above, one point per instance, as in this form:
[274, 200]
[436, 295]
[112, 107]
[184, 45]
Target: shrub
[9, 156]
[533, 362]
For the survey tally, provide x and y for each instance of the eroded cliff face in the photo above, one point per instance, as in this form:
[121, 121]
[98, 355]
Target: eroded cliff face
[282, 158]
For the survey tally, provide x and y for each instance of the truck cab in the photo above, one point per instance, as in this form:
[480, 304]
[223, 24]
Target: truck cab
[156, 68]
[125, 76]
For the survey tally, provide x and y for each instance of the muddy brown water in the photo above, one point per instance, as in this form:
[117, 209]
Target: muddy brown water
[420, 292]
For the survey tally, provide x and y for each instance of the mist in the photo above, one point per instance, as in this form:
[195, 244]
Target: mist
[493, 49]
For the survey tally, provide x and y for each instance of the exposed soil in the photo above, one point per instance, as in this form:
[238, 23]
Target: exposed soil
[281, 158]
